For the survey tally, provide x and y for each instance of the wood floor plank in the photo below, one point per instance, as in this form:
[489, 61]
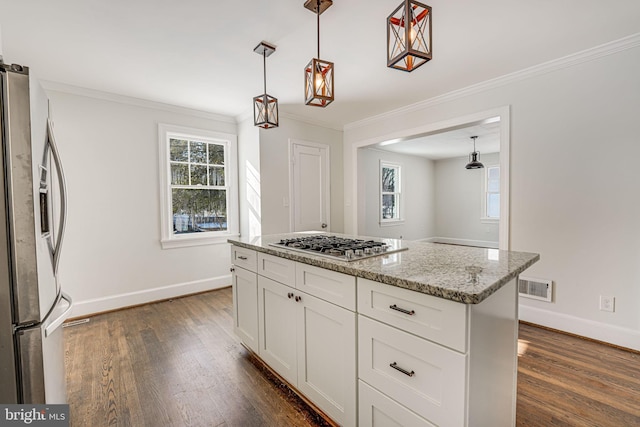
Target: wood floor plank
[178, 363]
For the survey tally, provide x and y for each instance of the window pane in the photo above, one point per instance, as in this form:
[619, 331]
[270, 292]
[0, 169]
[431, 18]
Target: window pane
[216, 154]
[198, 152]
[216, 176]
[178, 149]
[196, 210]
[179, 174]
[493, 179]
[198, 175]
[493, 205]
[388, 180]
[389, 206]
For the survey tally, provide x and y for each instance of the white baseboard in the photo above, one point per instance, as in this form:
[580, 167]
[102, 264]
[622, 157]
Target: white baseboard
[463, 242]
[612, 334]
[113, 302]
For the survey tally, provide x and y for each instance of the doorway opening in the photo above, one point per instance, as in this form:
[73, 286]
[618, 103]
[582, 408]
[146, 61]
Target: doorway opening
[440, 201]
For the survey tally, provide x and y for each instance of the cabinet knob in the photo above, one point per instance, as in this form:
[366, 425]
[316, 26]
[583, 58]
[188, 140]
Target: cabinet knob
[298, 298]
[232, 269]
[290, 295]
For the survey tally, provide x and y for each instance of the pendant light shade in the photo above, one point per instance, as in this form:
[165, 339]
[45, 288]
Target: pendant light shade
[409, 36]
[318, 74]
[474, 162]
[265, 107]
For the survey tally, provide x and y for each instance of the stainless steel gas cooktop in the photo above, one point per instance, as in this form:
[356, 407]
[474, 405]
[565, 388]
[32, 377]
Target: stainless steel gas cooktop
[340, 248]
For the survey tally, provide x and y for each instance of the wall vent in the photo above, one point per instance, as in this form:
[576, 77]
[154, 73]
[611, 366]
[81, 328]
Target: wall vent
[539, 289]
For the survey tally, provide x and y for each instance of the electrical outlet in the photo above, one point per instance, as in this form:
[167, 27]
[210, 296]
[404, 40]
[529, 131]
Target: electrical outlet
[607, 303]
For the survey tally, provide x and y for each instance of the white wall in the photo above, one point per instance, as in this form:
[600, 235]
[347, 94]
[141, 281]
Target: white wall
[111, 255]
[418, 190]
[249, 179]
[274, 161]
[459, 202]
[574, 180]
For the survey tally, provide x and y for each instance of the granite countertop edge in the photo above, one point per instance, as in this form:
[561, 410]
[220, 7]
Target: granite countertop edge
[353, 270]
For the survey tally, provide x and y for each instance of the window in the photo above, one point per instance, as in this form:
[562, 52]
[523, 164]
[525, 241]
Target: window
[492, 193]
[390, 193]
[199, 203]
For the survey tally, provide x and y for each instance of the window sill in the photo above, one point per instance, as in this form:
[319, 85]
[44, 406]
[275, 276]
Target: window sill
[185, 241]
[489, 220]
[391, 222]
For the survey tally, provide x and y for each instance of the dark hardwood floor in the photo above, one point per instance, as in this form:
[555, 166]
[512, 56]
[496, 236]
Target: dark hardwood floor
[565, 380]
[177, 363]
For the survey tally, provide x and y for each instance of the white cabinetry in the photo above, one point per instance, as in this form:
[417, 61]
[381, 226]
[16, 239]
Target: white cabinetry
[306, 324]
[429, 361]
[278, 337]
[417, 360]
[378, 410]
[244, 283]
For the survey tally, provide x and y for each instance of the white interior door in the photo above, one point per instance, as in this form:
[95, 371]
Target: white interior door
[310, 190]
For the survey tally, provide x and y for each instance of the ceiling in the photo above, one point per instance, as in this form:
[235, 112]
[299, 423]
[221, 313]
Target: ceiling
[199, 54]
[451, 143]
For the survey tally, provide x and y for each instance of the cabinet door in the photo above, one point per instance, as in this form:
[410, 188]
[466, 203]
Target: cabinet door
[245, 306]
[327, 357]
[277, 325]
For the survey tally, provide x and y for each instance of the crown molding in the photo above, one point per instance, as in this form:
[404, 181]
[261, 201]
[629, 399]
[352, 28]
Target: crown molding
[128, 100]
[591, 54]
[248, 114]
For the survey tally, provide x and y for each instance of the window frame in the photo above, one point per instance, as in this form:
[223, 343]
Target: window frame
[170, 240]
[485, 218]
[398, 193]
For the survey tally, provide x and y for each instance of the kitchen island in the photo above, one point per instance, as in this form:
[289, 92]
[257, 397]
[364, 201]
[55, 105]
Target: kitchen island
[423, 336]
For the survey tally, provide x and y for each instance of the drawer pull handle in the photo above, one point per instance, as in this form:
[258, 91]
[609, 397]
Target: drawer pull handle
[402, 310]
[395, 366]
[242, 257]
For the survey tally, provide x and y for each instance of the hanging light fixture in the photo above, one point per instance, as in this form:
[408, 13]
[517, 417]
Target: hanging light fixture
[318, 74]
[474, 163]
[409, 36]
[265, 107]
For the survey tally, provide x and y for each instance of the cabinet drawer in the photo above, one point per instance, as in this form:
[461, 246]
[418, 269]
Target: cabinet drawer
[436, 319]
[328, 285]
[426, 378]
[245, 258]
[279, 269]
[377, 410]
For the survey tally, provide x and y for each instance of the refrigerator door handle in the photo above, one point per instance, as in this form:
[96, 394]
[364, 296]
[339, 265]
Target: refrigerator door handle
[63, 196]
[55, 323]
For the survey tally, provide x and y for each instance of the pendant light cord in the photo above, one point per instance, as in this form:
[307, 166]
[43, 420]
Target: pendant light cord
[264, 69]
[318, 18]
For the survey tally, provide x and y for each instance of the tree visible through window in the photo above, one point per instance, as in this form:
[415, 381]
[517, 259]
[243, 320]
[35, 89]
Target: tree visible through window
[198, 191]
[389, 192]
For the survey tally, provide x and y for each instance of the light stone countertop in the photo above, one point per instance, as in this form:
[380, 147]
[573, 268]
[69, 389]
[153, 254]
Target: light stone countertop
[458, 273]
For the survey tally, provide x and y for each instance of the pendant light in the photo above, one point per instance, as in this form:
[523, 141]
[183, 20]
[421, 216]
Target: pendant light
[474, 163]
[318, 74]
[265, 107]
[409, 36]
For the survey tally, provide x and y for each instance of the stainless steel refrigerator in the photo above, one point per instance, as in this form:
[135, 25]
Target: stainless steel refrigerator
[32, 222]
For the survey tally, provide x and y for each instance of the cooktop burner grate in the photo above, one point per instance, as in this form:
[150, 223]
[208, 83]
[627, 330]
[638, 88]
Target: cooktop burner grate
[341, 248]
